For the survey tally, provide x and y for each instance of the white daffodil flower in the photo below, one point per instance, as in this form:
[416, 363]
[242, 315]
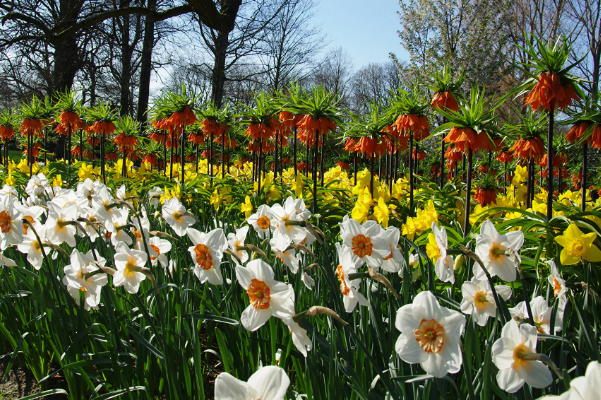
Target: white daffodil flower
[556, 281]
[279, 245]
[584, 387]
[513, 355]
[36, 185]
[207, 252]
[32, 247]
[120, 193]
[430, 335]
[85, 190]
[308, 281]
[235, 243]
[286, 222]
[95, 226]
[261, 221]
[158, 249]
[478, 299]
[268, 383]
[7, 262]
[299, 206]
[11, 223]
[444, 263]
[116, 228]
[127, 262]
[31, 214]
[176, 215]
[299, 336]
[65, 197]
[267, 296]
[58, 227]
[365, 243]
[492, 249]
[81, 277]
[393, 262]
[104, 204]
[541, 314]
[154, 196]
[351, 296]
[9, 191]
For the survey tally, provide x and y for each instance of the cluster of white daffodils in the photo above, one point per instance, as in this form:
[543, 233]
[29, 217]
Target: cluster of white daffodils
[365, 245]
[285, 227]
[430, 333]
[50, 217]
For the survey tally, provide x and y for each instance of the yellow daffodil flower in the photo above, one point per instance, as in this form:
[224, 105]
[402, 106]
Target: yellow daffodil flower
[382, 213]
[247, 207]
[577, 245]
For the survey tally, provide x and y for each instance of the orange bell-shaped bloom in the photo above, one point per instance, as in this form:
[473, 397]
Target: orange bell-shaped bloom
[30, 127]
[172, 140]
[550, 94]
[444, 100]
[485, 197]
[196, 138]
[309, 128]
[123, 141]
[420, 155]
[529, 148]
[111, 156]
[162, 124]
[557, 161]
[260, 131]
[287, 121]
[417, 124]
[158, 137]
[453, 156]
[596, 137]
[370, 147]
[343, 165]
[464, 139]
[35, 150]
[229, 142]
[103, 127]
[93, 141]
[76, 150]
[151, 159]
[576, 131]
[349, 145]
[70, 122]
[183, 118]
[6, 132]
[505, 156]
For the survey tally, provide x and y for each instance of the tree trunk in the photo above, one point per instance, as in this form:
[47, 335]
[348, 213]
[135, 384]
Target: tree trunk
[66, 65]
[146, 65]
[218, 73]
[125, 62]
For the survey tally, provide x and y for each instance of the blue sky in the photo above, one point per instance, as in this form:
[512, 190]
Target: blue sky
[366, 29]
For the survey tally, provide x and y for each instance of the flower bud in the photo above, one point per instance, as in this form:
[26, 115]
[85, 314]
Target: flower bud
[459, 260]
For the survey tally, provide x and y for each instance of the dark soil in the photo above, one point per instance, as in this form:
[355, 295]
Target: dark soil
[20, 382]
